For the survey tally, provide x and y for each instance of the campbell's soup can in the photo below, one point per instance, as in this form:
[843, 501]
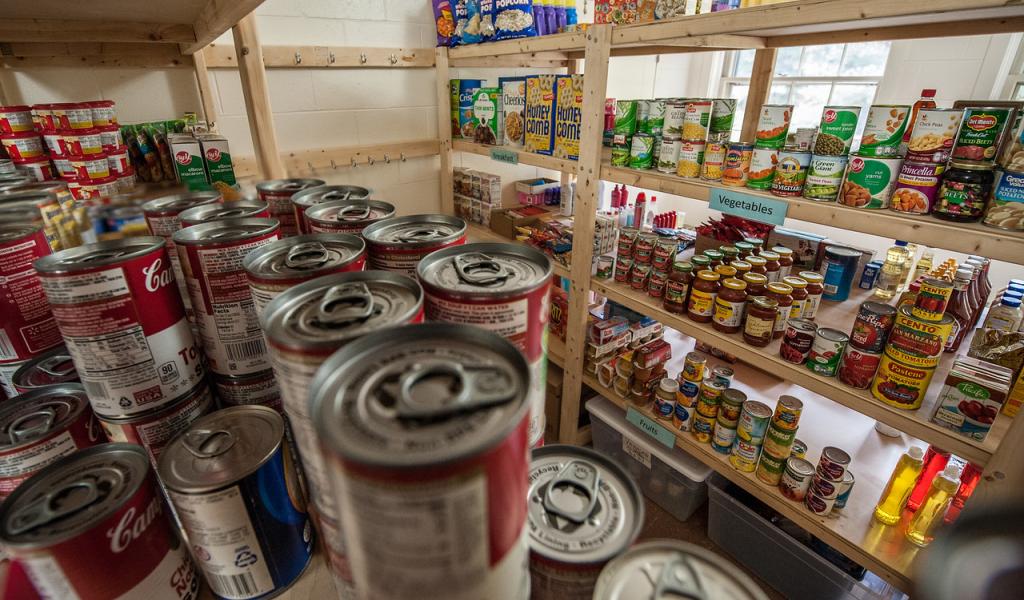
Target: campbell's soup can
[155, 430]
[398, 244]
[27, 327]
[40, 427]
[500, 287]
[211, 258]
[304, 326]
[237, 209]
[123, 323]
[458, 394]
[234, 486]
[301, 201]
[566, 561]
[346, 216]
[50, 368]
[278, 194]
[280, 265]
[105, 533]
[261, 389]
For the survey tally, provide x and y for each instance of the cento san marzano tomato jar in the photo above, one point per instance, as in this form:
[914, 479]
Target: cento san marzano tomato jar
[965, 190]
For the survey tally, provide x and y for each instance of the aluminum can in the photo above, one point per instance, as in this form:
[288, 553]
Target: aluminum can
[302, 200]
[398, 244]
[770, 468]
[722, 374]
[702, 427]
[50, 368]
[278, 193]
[261, 389]
[858, 367]
[459, 395]
[787, 413]
[40, 427]
[28, 327]
[565, 561]
[827, 351]
[693, 367]
[818, 505]
[234, 487]
[119, 520]
[723, 438]
[155, 430]
[844, 490]
[123, 323]
[754, 419]
[796, 480]
[237, 209]
[778, 442]
[872, 326]
[500, 287]
[7, 371]
[211, 257]
[833, 463]
[280, 265]
[347, 216]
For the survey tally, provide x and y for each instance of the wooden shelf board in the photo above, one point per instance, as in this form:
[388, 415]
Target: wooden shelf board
[560, 42]
[526, 158]
[969, 238]
[840, 316]
[556, 350]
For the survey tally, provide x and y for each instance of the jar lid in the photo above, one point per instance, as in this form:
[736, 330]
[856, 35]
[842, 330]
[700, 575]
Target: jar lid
[765, 302]
[780, 288]
[740, 265]
[681, 265]
[756, 261]
[730, 250]
[970, 165]
[725, 271]
[769, 255]
[756, 242]
[755, 278]
[700, 261]
[712, 253]
[709, 275]
[669, 385]
[812, 277]
[782, 251]
[796, 282]
[735, 284]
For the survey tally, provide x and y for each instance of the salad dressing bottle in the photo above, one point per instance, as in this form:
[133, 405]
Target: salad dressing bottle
[901, 482]
[926, 521]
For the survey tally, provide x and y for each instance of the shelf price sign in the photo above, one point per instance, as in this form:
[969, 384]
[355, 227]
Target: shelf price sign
[650, 427]
[506, 156]
[749, 206]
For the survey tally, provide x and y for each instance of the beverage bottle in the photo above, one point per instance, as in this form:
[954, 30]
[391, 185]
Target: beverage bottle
[960, 309]
[894, 496]
[571, 18]
[561, 18]
[540, 16]
[927, 101]
[969, 479]
[935, 460]
[926, 521]
[892, 273]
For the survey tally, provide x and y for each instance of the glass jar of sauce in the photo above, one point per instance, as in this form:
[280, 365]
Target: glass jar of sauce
[730, 253]
[715, 256]
[703, 292]
[725, 271]
[782, 293]
[773, 269]
[745, 249]
[758, 244]
[732, 297]
[742, 267]
[758, 265]
[815, 290]
[700, 263]
[965, 189]
[759, 326]
[756, 285]
[799, 294]
[785, 260]
[677, 288]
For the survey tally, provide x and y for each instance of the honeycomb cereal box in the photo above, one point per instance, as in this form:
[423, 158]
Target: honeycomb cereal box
[540, 114]
[568, 116]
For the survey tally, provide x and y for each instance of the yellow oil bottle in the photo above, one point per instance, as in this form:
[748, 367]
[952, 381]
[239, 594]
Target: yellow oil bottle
[901, 483]
[926, 521]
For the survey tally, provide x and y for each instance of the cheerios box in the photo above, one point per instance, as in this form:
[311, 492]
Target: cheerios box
[568, 116]
[513, 109]
[540, 114]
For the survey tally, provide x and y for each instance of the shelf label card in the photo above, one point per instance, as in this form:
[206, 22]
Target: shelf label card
[506, 156]
[749, 206]
[651, 428]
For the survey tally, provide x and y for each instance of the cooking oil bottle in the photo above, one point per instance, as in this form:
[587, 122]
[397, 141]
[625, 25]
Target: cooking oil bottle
[893, 272]
[928, 518]
[924, 264]
[901, 482]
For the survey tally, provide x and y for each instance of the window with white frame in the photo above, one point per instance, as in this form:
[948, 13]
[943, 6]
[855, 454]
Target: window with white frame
[1014, 87]
[810, 78]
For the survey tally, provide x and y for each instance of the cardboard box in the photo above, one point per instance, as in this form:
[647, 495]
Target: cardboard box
[189, 167]
[504, 221]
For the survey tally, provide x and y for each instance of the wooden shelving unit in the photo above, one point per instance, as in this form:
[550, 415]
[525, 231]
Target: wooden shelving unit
[522, 157]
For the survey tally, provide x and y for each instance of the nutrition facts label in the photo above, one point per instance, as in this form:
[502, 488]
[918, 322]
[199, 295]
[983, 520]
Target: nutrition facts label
[27, 326]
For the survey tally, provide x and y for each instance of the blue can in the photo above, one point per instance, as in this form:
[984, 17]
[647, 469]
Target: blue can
[869, 276]
[838, 268]
[235, 490]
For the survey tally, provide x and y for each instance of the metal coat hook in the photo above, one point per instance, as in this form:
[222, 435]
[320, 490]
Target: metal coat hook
[362, 58]
[355, 165]
[298, 58]
[393, 59]
[330, 58]
[402, 156]
[370, 160]
[333, 165]
[387, 159]
[310, 165]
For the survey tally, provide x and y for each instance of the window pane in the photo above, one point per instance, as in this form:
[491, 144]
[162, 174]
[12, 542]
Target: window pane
[821, 61]
[808, 100]
[744, 63]
[865, 59]
[787, 63]
[1018, 92]
[779, 94]
[853, 94]
[739, 92]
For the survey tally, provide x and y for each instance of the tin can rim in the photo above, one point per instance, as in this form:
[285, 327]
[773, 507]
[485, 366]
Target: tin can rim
[58, 262]
[373, 231]
[247, 228]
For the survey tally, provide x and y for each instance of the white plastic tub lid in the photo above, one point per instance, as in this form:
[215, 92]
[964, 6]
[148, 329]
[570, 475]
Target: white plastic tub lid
[676, 458]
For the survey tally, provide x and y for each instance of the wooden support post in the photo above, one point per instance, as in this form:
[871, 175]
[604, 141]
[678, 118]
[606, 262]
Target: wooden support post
[257, 98]
[444, 130]
[595, 85]
[760, 87]
[205, 90]
[1002, 482]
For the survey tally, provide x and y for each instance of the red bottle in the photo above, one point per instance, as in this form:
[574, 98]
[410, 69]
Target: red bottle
[969, 479]
[934, 462]
[927, 101]
[961, 308]
[638, 211]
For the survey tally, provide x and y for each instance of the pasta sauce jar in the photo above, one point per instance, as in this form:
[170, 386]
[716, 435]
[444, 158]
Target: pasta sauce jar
[965, 190]
[729, 306]
[760, 321]
[702, 296]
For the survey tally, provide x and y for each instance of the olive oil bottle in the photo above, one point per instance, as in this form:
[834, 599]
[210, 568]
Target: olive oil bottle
[901, 483]
[928, 518]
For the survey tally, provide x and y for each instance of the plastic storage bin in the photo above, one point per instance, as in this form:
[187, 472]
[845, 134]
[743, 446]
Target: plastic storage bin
[671, 478]
[780, 560]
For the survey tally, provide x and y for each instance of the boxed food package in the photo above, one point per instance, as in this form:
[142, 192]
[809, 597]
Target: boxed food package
[505, 221]
[616, 12]
[467, 89]
[804, 246]
[189, 168]
[219, 168]
[568, 116]
[972, 397]
[513, 110]
[540, 113]
[487, 116]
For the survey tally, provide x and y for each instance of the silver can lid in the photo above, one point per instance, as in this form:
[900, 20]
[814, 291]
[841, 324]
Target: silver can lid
[15, 231]
[329, 193]
[304, 256]
[49, 368]
[238, 209]
[73, 495]
[176, 203]
[485, 270]
[421, 395]
[227, 230]
[329, 311]
[582, 507]
[99, 254]
[415, 231]
[354, 212]
[221, 448]
[288, 185]
[35, 414]
[670, 568]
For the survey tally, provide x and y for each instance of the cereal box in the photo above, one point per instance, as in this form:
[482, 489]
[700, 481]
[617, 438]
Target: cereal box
[513, 103]
[467, 89]
[568, 116]
[540, 113]
[487, 116]
[453, 90]
[617, 12]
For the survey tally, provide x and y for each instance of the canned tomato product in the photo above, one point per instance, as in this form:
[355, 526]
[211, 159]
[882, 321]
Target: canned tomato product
[797, 340]
[932, 138]
[278, 193]
[770, 468]
[790, 173]
[346, 216]
[872, 326]
[398, 244]
[787, 413]
[233, 484]
[834, 462]
[836, 130]
[858, 367]
[691, 156]
[565, 560]
[884, 129]
[825, 177]
[736, 167]
[123, 323]
[211, 257]
[901, 385]
[458, 394]
[260, 389]
[917, 187]
[118, 519]
[714, 161]
[827, 351]
[155, 430]
[28, 326]
[280, 265]
[658, 568]
[50, 368]
[237, 209]
[1006, 209]
[40, 427]
[304, 326]
[500, 287]
[796, 479]
[844, 490]
[980, 134]
[918, 342]
[869, 181]
[773, 125]
[932, 299]
[762, 168]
